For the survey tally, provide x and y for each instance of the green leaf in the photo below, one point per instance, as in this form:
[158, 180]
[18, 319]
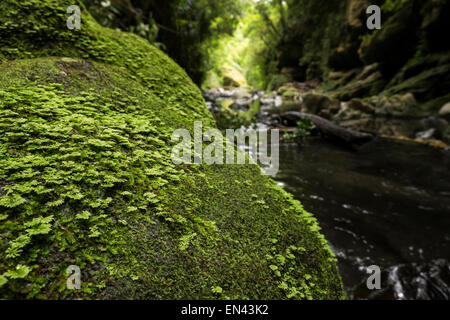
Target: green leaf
[20, 272]
[273, 267]
[39, 229]
[283, 285]
[131, 209]
[17, 245]
[94, 232]
[185, 241]
[83, 216]
[40, 220]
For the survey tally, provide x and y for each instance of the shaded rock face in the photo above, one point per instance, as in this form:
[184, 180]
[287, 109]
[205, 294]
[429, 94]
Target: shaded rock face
[394, 37]
[320, 105]
[234, 79]
[362, 106]
[86, 179]
[397, 105]
[407, 55]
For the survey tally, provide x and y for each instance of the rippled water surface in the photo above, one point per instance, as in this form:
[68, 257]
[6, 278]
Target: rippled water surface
[387, 204]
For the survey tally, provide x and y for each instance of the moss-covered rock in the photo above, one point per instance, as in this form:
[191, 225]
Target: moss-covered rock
[363, 85]
[233, 78]
[362, 106]
[396, 105]
[86, 179]
[355, 11]
[316, 103]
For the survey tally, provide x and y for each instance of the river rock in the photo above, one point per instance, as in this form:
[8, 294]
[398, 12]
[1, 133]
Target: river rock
[211, 94]
[316, 103]
[243, 103]
[396, 105]
[269, 99]
[240, 93]
[300, 86]
[445, 111]
[346, 113]
[289, 93]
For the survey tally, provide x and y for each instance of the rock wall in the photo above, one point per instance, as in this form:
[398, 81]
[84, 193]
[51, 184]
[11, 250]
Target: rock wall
[329, 41]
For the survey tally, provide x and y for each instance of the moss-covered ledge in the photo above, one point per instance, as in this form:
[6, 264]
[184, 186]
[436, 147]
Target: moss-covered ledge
[86, 179]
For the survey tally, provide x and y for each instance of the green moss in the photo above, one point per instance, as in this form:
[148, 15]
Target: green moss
[86, 179]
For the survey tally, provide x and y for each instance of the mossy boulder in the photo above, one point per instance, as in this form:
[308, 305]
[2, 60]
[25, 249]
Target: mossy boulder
[233, 78]
[396, 105]
[357, 83]
[86, 179]
[317, 103]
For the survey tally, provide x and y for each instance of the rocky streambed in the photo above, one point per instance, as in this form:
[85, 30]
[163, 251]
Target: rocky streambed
[397, 116]
[386, 203]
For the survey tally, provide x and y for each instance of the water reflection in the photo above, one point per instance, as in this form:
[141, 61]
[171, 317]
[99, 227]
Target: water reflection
[387, 204]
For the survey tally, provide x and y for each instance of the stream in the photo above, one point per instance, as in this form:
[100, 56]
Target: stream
[385, 204]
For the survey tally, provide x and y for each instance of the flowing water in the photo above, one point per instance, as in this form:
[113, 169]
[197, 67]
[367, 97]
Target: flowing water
[387, 204]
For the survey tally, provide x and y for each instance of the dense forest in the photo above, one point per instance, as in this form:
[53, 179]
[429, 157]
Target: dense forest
[89, 117]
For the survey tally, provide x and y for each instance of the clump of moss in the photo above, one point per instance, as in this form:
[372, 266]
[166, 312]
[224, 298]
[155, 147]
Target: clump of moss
[86, 179]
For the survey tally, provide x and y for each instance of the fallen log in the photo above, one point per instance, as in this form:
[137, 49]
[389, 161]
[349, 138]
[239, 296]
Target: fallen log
[330, 129]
